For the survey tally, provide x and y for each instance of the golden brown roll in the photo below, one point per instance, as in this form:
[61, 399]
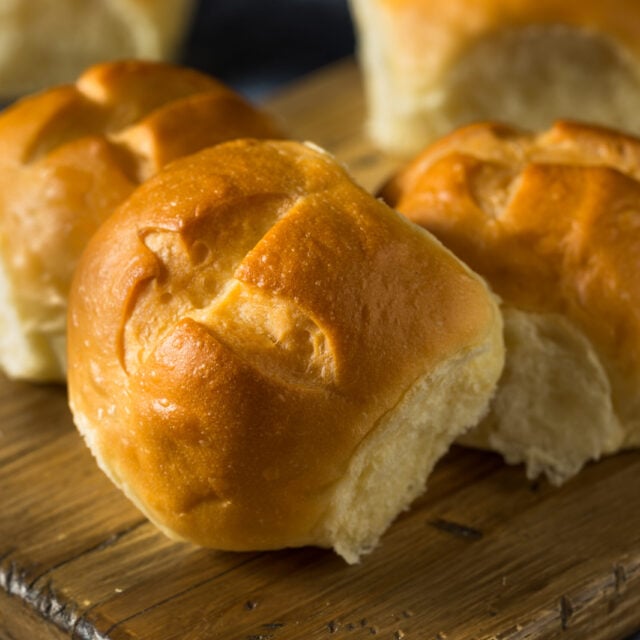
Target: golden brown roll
[263, 355]
[552, 221]
[432, 65]
[45, 43]
[68, 156]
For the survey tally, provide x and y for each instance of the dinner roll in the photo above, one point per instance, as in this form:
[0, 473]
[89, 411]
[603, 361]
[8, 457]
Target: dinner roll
[68, 156]
[430, 66]
[44, 43]
[263, 355]
[552, 221]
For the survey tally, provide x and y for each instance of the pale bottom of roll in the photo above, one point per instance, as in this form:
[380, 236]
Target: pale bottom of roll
[391, 467]
[553, 409]
[27, 351]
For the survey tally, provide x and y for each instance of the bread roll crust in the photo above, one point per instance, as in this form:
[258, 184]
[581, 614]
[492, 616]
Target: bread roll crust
[560, 208]
[551, 221]
[430, 67]
[44, 43]
[241, 325]
[68, 157]
[457, 23]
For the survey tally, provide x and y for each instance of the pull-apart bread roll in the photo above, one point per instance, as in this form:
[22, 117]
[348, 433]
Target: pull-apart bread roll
[432, 65]
[68, 157]
[263, 355]
[45, 42]
[552, 221]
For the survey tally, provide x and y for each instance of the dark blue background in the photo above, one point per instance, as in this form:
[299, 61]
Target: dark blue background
[256, 46]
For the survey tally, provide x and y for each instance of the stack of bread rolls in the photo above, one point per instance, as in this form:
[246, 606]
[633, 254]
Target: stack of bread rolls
[261, 354]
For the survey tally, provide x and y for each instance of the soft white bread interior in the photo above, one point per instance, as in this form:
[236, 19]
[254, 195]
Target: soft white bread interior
[552, 221]
[68, 157]
[430, 66]
[263, 355]
[43, 43]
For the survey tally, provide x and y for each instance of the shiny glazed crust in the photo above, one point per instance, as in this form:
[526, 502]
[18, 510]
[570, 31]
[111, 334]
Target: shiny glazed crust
[68, 157]
[551, 221]
[240, 327]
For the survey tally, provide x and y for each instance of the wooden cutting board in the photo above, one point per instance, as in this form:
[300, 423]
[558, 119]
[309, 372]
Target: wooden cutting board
[483, 555]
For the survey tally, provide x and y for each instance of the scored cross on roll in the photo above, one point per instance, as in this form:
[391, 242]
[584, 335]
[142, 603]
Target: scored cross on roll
[263, 355]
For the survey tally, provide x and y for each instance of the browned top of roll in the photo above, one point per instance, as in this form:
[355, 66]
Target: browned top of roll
[71, 154]
[551, 220]
[446, 27]
[241, 324]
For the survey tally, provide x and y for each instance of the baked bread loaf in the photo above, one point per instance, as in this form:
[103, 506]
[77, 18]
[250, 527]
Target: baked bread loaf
[44, 43]
[263, 355]
[68, 156]
[552, 221]
[431, 66]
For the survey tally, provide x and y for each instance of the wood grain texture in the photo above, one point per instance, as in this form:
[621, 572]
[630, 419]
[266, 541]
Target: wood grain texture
[484, 555]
